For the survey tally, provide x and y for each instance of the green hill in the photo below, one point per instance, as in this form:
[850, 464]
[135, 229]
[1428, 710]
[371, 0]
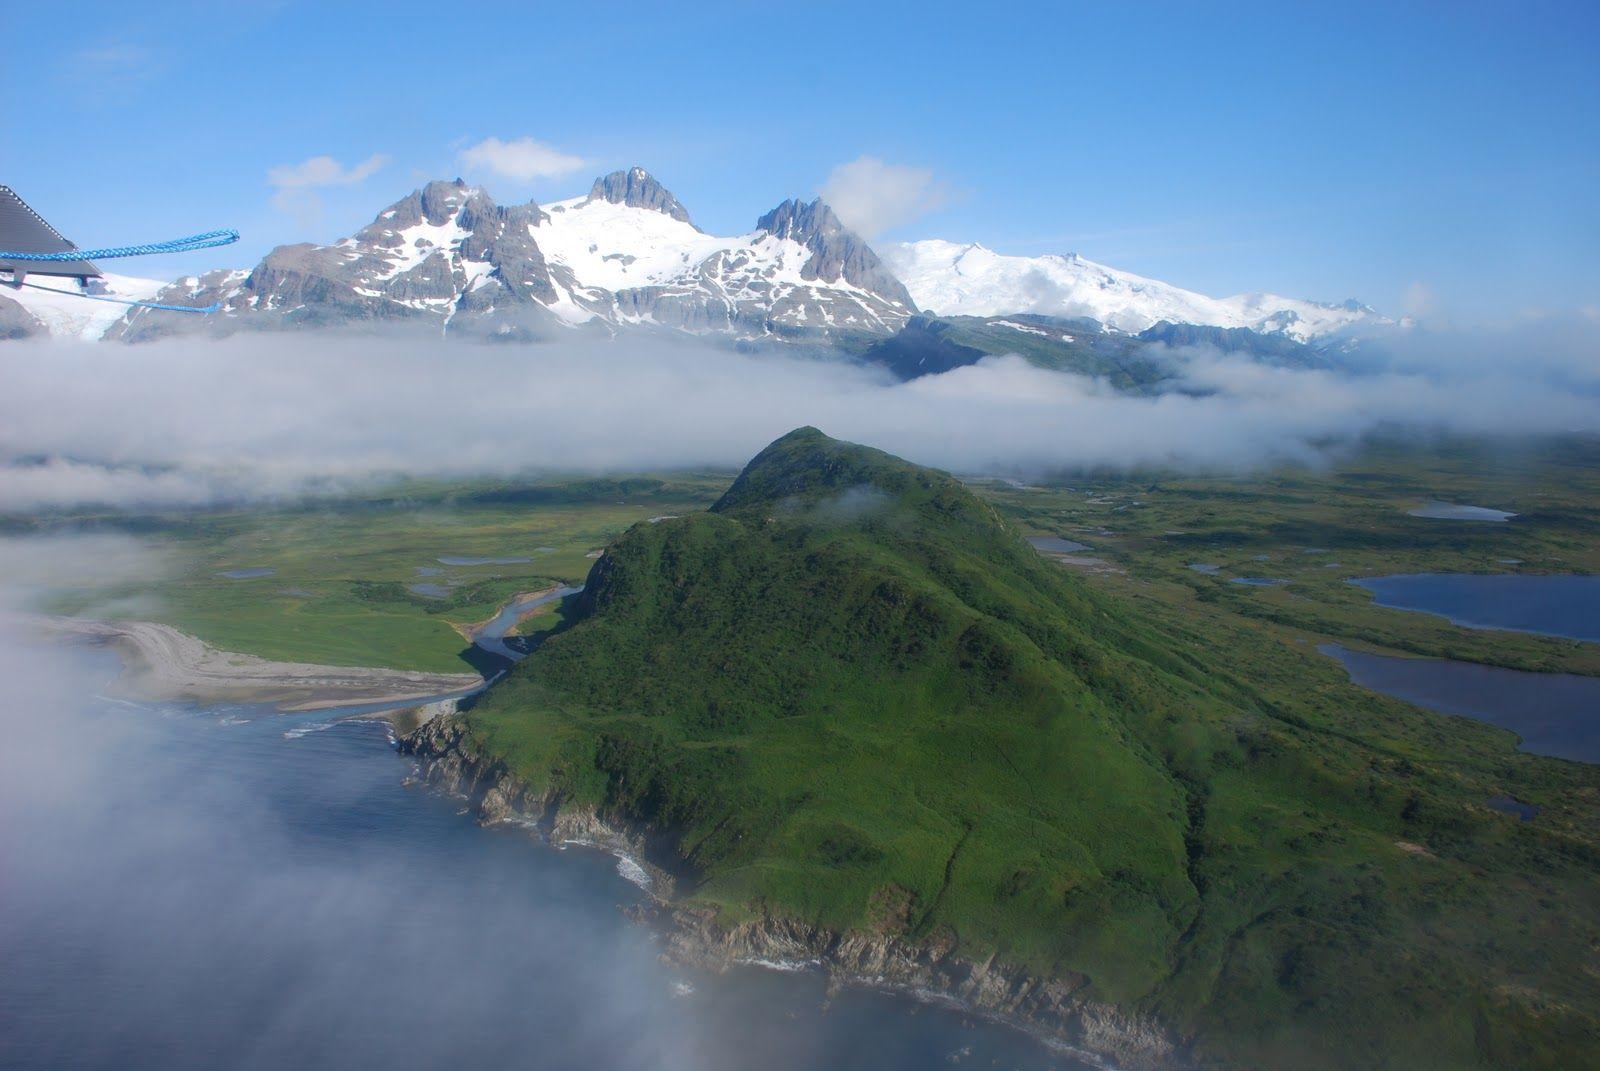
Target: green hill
[852, 695]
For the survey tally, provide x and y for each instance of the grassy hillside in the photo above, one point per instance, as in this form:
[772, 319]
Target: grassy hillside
[851, 693]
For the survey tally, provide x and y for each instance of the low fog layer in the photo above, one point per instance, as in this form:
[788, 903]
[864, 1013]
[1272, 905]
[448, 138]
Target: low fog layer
[253, 416]
[165, 906]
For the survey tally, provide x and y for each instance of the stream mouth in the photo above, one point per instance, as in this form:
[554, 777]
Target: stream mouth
[491, 636]
[491, 654]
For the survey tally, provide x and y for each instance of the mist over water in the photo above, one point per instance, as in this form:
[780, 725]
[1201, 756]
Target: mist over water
[204, 888]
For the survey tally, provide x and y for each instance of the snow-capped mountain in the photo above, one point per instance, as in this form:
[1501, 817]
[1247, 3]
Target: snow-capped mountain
[629, 254]
[626, 254]
[952, 279]
[53, 306]
[445, 252]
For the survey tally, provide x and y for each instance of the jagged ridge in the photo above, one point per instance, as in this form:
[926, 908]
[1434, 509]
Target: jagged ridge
[626, 255]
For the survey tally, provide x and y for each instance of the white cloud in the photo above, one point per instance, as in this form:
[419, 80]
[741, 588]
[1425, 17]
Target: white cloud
[522, 160]
[1421, 303]
[297, 184]
[250, 417]
[321, 171]
[871, 196]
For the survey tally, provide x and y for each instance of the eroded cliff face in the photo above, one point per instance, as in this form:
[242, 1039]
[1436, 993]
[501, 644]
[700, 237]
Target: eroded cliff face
[934, 968]
[451, 760]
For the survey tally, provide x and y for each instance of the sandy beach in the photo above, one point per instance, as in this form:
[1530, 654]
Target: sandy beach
[163, 663]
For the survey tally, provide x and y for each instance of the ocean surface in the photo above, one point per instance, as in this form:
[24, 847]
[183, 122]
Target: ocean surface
[186, 887]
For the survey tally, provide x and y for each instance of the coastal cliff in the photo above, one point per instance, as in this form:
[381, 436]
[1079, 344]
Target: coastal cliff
[934, 969]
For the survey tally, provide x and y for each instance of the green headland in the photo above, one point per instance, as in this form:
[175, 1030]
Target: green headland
[850, 693]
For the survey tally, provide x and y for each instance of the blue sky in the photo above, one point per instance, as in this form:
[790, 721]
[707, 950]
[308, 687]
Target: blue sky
[1443, 157]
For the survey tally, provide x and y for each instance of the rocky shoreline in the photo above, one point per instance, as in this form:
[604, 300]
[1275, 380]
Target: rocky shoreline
[931, 970]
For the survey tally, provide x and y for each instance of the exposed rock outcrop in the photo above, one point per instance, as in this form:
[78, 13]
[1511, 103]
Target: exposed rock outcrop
[637, 188]
[836, 252]
[445, 255]
[17, 322]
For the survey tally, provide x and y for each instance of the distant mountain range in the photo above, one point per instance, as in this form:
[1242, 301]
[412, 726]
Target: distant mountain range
[627, 257]
[970, 280]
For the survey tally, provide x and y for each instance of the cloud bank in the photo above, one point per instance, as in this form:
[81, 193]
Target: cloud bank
[268, 416]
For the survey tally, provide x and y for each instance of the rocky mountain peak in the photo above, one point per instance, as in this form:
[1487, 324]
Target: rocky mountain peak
[836, 251]
[436, 203]
[443, 201]
[801, 221]
[637, 188]
[447, 253]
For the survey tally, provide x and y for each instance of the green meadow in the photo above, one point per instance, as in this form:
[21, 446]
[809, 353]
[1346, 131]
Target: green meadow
[340, 591]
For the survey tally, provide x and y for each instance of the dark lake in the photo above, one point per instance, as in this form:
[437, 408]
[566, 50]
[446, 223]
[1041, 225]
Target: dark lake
[1554, 713]
[205, 888]
[431, 591]
[1555, 605]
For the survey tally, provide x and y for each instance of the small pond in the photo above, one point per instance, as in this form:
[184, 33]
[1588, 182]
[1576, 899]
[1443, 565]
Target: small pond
[431, 591]
[1507, 805]
[1450, 511]
[1056, 545]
